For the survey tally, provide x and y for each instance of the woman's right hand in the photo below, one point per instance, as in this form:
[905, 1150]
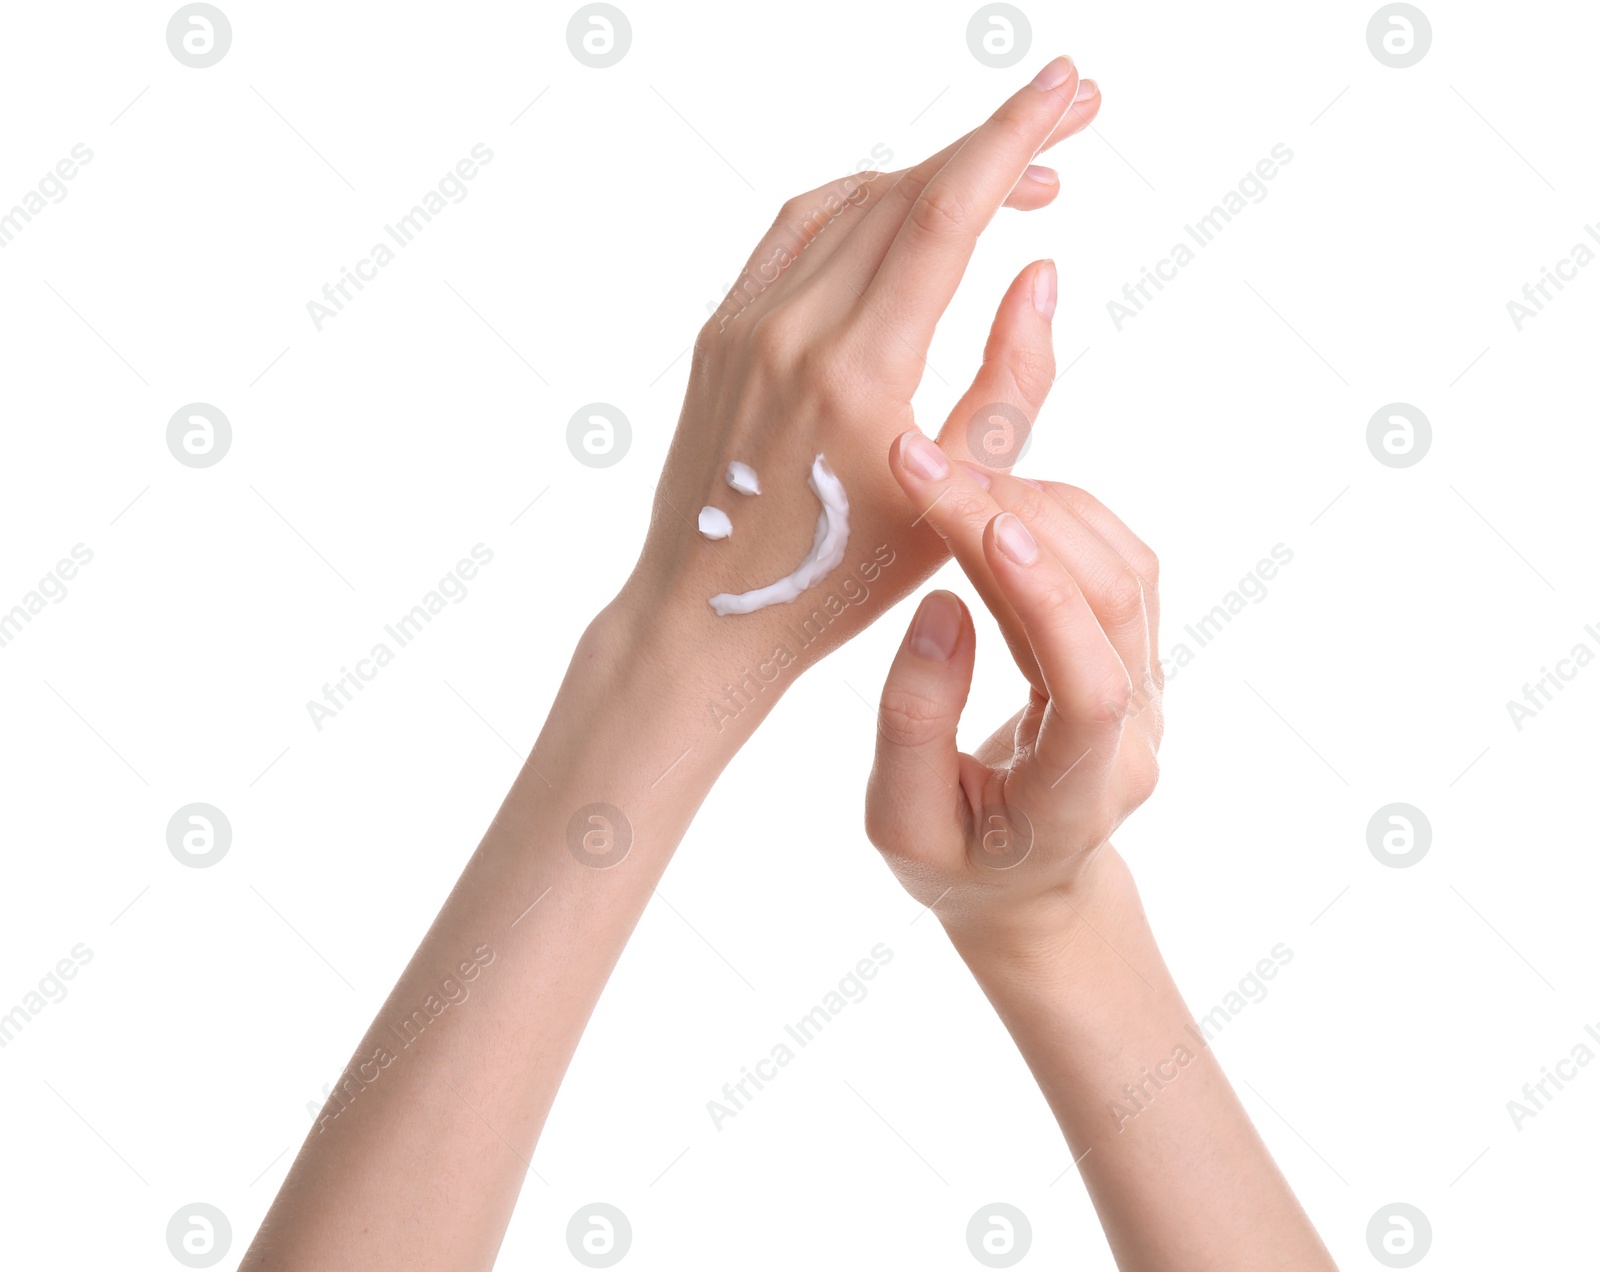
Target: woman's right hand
[994, 842]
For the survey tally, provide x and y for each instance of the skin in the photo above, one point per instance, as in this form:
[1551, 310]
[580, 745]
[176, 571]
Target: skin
[1011, 848]
[417, 1160]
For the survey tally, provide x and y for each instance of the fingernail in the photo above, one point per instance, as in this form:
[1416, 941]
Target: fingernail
[977, 474]
[1054, 75]
[936, 628]
[1014, 540]
[1086, 89]
[1044, 289]
[1028, 481]
[1044, 176]
[922, 457]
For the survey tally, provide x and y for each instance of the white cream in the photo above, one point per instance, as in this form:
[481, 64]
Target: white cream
[827, 549]
[743, 478]
[714, 523]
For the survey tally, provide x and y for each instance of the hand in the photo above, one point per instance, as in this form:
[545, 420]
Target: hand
[995, 841]
[817, 350]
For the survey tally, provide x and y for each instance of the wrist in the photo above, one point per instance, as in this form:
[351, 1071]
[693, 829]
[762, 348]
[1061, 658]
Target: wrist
[1061, 931]
[716, 678]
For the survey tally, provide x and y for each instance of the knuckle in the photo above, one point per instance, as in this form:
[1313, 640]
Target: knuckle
[910, 187]
[1079, 500]
[858, 186]
[1058, 602]
[792, 210]
[1017, 126]
[909, 717]
[1027, 504]
[1144, 771]
[1110, 702]
[1033, 370]
[939, 211]
[776, 339]
[1122, 598]
[966, 508]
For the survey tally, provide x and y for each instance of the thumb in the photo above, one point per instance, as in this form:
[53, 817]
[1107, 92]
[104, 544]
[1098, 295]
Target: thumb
[915, 787]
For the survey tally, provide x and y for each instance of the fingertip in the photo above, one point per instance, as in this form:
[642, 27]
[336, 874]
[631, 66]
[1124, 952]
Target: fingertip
[937, 627]
[1044, 289]
[915, 455]
[1012, 541]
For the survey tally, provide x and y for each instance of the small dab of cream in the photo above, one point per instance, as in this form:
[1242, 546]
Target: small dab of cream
[743, 478]
[827, 549]
[714, 523]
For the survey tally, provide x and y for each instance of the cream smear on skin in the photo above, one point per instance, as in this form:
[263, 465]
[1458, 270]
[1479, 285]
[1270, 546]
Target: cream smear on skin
[826, 555]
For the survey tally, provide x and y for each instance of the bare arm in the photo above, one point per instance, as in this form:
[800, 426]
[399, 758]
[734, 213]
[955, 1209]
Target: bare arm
[417, 1160]
[1176, 1170]
[1011, 848]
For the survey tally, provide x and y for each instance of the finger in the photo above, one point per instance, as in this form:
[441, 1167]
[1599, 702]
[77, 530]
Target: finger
[1087, 682]
[952, 499]
[914, 792]
[1018, 369]
[1129, 546]
[994, 416]
[857, 259]
[1112, 587]
[930, 251]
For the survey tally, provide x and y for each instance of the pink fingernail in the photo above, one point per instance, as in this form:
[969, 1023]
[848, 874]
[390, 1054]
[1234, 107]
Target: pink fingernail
[1044, 289]
[936, 628]
[1044, 176]
[1054, 75]
[977, 474]
[922, 457]
[1028, 481]
[1086, 89]
[1013, 538]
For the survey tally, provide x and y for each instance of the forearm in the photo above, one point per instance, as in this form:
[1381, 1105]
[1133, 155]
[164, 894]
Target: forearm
[1177, 1172]
[418, 1157]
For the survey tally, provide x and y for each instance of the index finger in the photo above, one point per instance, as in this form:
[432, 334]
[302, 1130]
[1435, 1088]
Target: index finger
[930, 252]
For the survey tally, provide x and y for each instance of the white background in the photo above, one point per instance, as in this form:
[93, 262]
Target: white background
[368, 457]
